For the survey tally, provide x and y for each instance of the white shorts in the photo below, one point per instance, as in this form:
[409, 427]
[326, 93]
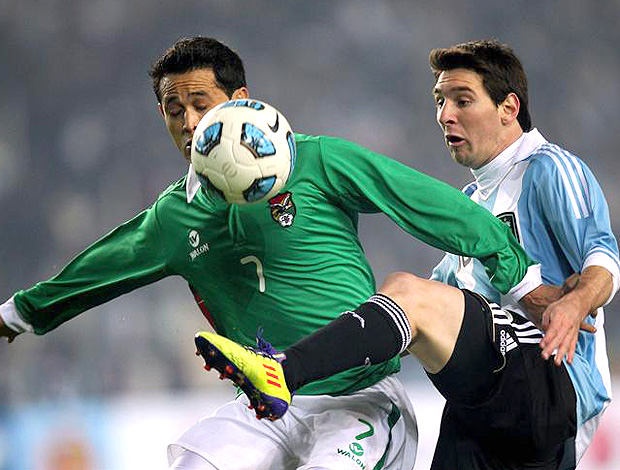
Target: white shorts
[374, 428]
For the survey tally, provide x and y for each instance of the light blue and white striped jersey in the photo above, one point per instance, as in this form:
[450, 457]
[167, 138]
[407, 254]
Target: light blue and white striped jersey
[557, 211]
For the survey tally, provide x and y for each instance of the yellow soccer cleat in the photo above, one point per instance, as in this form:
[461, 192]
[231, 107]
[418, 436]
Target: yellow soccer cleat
[257, 371]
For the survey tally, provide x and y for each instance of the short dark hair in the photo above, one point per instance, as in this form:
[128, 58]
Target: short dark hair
[501, 71]
[200, 52]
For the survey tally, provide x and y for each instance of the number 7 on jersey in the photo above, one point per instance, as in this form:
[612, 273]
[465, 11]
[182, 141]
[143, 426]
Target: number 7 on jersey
[259, 270]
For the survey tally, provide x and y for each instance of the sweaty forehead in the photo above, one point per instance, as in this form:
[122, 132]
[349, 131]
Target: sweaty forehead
[200, 81]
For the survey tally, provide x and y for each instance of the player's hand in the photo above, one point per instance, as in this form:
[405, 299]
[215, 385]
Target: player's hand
[561, 322]
[537, 301]
[6, 332]
[570, 284]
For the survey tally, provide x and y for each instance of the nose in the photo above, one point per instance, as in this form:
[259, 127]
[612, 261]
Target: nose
[192, 118]
[446, 114]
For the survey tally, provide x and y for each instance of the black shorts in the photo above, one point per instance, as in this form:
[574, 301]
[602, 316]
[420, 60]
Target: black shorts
[506, 407]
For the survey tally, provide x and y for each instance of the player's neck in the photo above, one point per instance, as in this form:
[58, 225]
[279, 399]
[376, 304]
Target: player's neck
[490, 174]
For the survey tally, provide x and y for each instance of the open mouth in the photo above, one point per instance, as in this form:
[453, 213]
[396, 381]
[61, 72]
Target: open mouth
[454, 140]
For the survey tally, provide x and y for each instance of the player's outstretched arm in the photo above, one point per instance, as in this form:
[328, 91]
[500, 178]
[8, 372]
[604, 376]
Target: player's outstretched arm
[563, 318]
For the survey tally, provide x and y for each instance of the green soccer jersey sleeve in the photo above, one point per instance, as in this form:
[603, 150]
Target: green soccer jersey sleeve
[427, 208]
[129, 257]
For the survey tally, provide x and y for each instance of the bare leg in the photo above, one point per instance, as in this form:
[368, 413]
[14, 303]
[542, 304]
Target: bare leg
[435, 313]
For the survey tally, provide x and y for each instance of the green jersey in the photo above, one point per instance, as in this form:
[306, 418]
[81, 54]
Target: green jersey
[288, 265]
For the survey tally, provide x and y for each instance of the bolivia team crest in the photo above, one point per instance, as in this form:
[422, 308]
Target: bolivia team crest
[282, 209]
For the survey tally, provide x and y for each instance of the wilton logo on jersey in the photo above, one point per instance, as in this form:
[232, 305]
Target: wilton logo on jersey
[194, 238]
[282, 209]
[356, 450]
[194, 242]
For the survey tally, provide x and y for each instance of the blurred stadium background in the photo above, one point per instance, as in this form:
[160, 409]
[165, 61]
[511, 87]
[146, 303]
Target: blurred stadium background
[82, 149]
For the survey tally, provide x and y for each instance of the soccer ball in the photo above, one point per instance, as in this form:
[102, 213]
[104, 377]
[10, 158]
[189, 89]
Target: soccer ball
[244, 149]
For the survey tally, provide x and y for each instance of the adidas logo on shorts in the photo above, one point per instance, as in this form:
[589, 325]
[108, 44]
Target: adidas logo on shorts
[512, 329]
[506, 342]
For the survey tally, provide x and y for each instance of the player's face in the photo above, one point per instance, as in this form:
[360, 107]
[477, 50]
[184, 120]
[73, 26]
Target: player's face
[185, 99]
[472, 125]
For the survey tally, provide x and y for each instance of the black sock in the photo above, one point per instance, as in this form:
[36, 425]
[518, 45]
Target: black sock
[374, 332]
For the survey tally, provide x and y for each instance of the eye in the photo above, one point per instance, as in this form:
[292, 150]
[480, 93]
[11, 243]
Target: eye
[462, 102]
[439, 101]
[173, 109]
[201, 104]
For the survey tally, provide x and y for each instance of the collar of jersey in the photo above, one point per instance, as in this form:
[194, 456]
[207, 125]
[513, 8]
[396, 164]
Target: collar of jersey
[192, 185]
[492, 174]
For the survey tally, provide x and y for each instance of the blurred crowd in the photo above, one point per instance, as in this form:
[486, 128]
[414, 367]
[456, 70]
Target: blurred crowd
[83, 148]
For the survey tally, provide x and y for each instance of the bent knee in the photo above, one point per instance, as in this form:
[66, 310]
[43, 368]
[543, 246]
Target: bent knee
[400, 285]
[426, 303]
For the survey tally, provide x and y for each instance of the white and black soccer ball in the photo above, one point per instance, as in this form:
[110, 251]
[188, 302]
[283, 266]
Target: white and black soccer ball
[245, 149]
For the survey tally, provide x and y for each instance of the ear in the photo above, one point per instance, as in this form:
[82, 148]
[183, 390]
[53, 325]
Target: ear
[240, 94]
[509, 109]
